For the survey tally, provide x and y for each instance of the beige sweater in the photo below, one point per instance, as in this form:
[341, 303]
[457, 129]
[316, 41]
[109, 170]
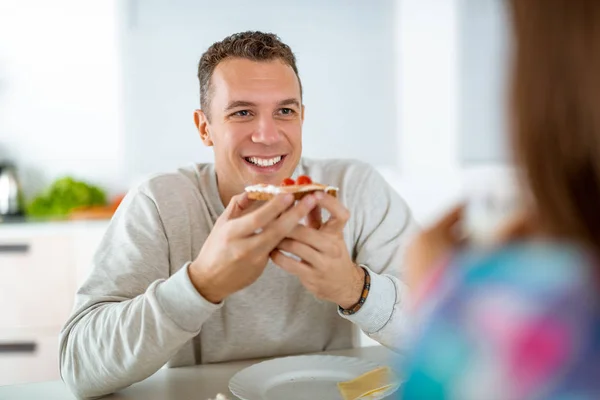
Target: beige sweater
[138, 309]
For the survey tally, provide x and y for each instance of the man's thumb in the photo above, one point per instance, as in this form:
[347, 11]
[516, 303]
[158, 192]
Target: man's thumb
[238, 205]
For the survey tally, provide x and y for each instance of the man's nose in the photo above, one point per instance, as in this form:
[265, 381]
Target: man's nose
[267, 132]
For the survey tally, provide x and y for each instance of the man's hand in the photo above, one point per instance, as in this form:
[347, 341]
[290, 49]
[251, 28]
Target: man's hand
[326, 269]
[237, 250]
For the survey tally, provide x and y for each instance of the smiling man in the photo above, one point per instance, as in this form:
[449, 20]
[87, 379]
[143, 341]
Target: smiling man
[180, 279]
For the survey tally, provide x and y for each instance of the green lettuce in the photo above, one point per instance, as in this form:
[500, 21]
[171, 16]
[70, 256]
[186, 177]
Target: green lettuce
[64, 195]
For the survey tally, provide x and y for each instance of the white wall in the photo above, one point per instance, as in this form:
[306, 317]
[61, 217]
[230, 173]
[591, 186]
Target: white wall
[104, 89]
[345, 57]
[484, 64]
[59, 89]
[428, 173]
[451, 70]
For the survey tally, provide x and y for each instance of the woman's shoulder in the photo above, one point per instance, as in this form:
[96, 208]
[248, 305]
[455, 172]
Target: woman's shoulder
[517, 317]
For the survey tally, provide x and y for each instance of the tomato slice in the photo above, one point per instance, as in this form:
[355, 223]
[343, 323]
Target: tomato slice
[303, 180]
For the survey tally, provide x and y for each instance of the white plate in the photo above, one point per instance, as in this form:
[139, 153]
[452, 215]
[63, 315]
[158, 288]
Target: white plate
[301, 378]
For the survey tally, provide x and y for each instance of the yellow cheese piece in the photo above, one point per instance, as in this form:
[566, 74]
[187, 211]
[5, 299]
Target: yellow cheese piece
[367, 384]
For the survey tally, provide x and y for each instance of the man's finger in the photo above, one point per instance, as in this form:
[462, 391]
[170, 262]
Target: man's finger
[299, 249]
[290, 265]
[238, 205]
[314, 218]
[316, 239]
[250, 223]
[339, 214]
[232, 209]
[278, 229]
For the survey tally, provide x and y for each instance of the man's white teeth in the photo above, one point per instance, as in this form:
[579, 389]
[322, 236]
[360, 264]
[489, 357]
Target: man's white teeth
[264, 162]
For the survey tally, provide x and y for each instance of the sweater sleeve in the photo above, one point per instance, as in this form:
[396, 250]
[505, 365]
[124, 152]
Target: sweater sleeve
[384, 226]
[130, 316]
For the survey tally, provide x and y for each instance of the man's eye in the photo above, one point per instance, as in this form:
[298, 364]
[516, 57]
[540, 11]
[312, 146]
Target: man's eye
[242, 113]
[287, 111]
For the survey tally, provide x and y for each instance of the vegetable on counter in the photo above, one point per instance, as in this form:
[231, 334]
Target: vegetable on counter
[97, 212]
[63, 196]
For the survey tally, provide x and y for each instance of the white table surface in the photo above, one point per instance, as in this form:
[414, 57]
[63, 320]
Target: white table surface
[200, 382]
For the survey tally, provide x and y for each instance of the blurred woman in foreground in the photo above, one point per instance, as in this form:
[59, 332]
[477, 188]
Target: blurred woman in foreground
[522, 320]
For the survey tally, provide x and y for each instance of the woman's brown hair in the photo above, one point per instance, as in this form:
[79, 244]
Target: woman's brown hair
[555, 112]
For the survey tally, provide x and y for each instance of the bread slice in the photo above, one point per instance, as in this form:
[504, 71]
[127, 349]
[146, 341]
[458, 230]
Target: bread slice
[267, 192]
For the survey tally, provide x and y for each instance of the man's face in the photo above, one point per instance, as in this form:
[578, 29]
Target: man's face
[255, 126]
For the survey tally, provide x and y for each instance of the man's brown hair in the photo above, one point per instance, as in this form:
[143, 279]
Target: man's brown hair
[251, 45]
[555, 112]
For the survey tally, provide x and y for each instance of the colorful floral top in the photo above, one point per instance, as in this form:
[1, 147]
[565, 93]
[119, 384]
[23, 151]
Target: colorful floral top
[522, 322]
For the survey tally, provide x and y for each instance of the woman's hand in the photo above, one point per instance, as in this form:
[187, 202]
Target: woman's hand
[431, 245]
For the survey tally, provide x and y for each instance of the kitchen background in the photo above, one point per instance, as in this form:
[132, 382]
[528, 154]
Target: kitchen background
[104, 90]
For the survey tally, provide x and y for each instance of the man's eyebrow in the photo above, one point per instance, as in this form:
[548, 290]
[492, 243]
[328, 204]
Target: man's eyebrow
[239, 103]
[288, 102]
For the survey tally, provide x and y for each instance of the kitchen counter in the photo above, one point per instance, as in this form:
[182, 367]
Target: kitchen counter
[23, 227]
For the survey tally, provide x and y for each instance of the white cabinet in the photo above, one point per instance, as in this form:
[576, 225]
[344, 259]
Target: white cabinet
[29, 356]
[36, 288]
[41, 266]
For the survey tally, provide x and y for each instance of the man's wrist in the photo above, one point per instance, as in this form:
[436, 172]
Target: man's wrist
[204, 286]
[355, 289]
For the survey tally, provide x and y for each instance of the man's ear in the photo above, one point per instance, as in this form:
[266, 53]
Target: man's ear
[202, 125]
